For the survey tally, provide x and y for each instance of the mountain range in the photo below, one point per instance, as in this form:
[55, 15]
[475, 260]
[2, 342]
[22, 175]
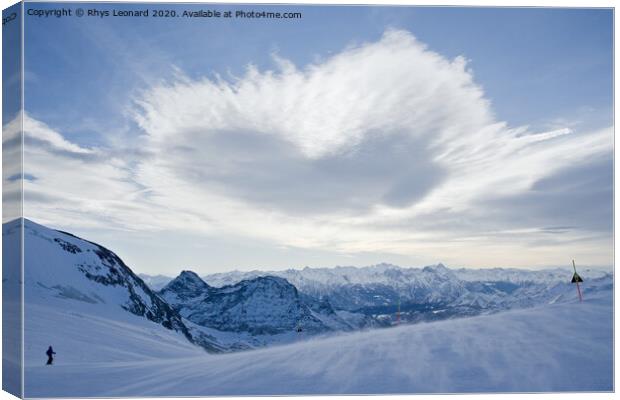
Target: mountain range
[82, 283]
[432, 292]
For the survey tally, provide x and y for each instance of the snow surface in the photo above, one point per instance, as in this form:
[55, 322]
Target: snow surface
[106, 328]
[556, 347]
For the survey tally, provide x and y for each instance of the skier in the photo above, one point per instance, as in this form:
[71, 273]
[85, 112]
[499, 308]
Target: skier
[50, 355]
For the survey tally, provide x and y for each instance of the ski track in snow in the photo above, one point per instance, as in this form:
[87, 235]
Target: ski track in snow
[557, 347]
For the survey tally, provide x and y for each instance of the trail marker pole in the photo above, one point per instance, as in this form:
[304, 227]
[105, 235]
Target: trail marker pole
[576, 279]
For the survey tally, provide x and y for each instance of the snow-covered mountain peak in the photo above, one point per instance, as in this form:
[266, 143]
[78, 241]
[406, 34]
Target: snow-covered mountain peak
[263, 305]
[190, 275]
[72, 274]
[439, 270]
[187, 280]
[186, 287]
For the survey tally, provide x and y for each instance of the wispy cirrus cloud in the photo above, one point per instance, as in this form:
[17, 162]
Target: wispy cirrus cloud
[386, 146]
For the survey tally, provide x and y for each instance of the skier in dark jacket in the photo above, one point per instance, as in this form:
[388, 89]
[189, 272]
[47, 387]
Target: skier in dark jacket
[50, 355]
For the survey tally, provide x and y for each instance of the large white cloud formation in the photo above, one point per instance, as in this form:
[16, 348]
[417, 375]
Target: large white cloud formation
[363, 151]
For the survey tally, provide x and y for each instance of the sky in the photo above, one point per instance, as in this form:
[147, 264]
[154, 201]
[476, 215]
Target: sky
[476, 137]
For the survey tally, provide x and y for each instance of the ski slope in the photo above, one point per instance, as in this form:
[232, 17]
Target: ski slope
[555, 347]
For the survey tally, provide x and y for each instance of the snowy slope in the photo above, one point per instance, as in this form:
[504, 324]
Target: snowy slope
[115, 337]
[87, 333]
[63, 273]
[558, 347]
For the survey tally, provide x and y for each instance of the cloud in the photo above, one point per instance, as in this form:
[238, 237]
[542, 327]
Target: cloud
[36, 131]
[274, 174]
[578, 197]
[66, 184]
[386, 146]
[11, 167]
[327, 108]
